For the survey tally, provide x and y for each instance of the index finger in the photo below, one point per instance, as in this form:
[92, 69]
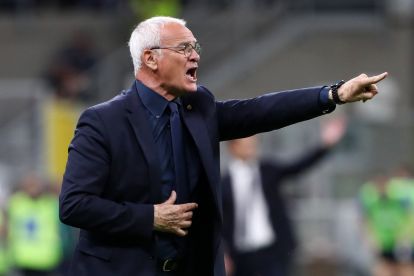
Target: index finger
[188, 206]
[375, 79]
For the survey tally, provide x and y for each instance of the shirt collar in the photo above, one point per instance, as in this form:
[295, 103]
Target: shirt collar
[153, 101]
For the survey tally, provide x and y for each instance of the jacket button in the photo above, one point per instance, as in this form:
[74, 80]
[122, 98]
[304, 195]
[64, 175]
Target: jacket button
[189, 107]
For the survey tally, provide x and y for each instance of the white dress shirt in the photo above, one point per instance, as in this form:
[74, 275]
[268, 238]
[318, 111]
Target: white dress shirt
[253, 229]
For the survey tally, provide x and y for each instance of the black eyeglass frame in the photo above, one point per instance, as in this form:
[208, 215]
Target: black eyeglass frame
[186, 49]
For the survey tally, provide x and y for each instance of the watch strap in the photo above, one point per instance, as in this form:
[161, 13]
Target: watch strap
[334, 89]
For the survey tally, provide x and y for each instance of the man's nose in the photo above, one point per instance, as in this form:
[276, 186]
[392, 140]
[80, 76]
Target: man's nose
[194, 56]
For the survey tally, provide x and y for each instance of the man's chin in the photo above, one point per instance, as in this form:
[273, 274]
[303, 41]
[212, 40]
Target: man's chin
[191, 88]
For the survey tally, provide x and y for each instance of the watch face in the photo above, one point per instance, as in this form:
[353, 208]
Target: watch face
[337, 85]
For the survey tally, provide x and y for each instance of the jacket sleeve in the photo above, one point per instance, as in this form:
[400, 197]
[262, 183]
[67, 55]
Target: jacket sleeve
[303, 163]
[242, 118]
[82, 202]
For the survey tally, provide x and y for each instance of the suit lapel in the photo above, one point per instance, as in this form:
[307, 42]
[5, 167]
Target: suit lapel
[142, 130]
[198, 131]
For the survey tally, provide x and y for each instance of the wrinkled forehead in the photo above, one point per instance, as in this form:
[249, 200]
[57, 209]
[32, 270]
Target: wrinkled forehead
[176, 33]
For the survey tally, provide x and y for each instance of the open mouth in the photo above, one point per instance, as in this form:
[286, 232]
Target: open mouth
[192, 74]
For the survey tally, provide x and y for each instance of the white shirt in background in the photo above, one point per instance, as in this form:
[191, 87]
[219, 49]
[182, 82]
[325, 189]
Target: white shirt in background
[253, 229]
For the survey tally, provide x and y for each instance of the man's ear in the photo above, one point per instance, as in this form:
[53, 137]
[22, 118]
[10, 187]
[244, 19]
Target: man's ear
[150, 58]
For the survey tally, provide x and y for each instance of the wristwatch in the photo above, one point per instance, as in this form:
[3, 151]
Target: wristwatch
[334, 89]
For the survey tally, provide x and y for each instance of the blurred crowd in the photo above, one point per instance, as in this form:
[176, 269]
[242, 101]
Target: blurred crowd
[142, 7]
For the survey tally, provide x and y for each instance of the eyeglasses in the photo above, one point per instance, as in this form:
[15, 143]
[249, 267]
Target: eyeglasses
[186, 49]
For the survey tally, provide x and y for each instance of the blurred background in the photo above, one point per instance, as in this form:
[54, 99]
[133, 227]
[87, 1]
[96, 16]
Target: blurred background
[58, 57]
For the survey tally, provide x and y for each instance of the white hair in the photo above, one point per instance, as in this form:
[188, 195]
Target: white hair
[147, 35]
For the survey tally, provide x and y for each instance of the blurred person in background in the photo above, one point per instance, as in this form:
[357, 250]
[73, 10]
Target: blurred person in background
[143, 173]
[33, 228]
[69, 73]
[258, 232]
[388, 222]
[402, 184]
[70, 78]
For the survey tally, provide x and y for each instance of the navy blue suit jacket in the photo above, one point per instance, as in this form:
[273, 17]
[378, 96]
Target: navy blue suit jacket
[112, 178]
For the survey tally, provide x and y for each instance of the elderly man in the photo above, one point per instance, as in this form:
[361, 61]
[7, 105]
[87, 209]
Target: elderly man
[142, 177]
